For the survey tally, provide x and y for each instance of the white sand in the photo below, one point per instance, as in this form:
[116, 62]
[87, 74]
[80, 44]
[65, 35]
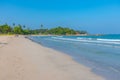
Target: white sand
[4, 40]
[22, 59]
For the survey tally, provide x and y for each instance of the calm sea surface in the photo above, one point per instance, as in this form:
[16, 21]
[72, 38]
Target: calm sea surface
[100, 53]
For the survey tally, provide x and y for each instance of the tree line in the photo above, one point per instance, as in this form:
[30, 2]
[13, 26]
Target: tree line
[19, 29]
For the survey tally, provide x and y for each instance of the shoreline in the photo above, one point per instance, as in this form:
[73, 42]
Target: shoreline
[73, 58]
[28, 60]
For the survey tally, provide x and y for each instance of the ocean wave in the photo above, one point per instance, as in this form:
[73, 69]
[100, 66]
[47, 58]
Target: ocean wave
[118, 40]
[91, 40]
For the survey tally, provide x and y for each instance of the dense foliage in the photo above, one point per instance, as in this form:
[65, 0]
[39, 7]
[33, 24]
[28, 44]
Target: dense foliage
[18, 29]
[5, 29]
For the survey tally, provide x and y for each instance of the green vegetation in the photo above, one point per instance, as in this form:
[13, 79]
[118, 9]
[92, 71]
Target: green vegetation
[18, 29]
[5, 29]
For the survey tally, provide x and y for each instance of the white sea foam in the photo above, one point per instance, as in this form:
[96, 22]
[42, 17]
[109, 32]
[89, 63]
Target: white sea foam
[109, 39]
[108, 42]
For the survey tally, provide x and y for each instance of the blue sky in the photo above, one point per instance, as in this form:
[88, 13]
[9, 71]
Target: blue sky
[95, 16]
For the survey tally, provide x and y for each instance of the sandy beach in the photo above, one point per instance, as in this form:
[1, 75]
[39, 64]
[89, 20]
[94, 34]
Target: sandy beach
[22, 59]
[4, 40]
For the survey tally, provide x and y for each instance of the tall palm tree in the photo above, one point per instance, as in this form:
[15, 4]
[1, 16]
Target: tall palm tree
[24, 26]
[13, 24]
[41, 26]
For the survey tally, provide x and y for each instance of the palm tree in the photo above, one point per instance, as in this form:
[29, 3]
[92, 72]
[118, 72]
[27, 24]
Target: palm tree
[24, 26]
[41, 26]
[13, 24]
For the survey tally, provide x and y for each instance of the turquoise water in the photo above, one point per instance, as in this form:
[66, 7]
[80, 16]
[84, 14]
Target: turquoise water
[100, 53]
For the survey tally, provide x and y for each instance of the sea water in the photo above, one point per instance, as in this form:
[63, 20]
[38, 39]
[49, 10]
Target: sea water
[100, 53]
